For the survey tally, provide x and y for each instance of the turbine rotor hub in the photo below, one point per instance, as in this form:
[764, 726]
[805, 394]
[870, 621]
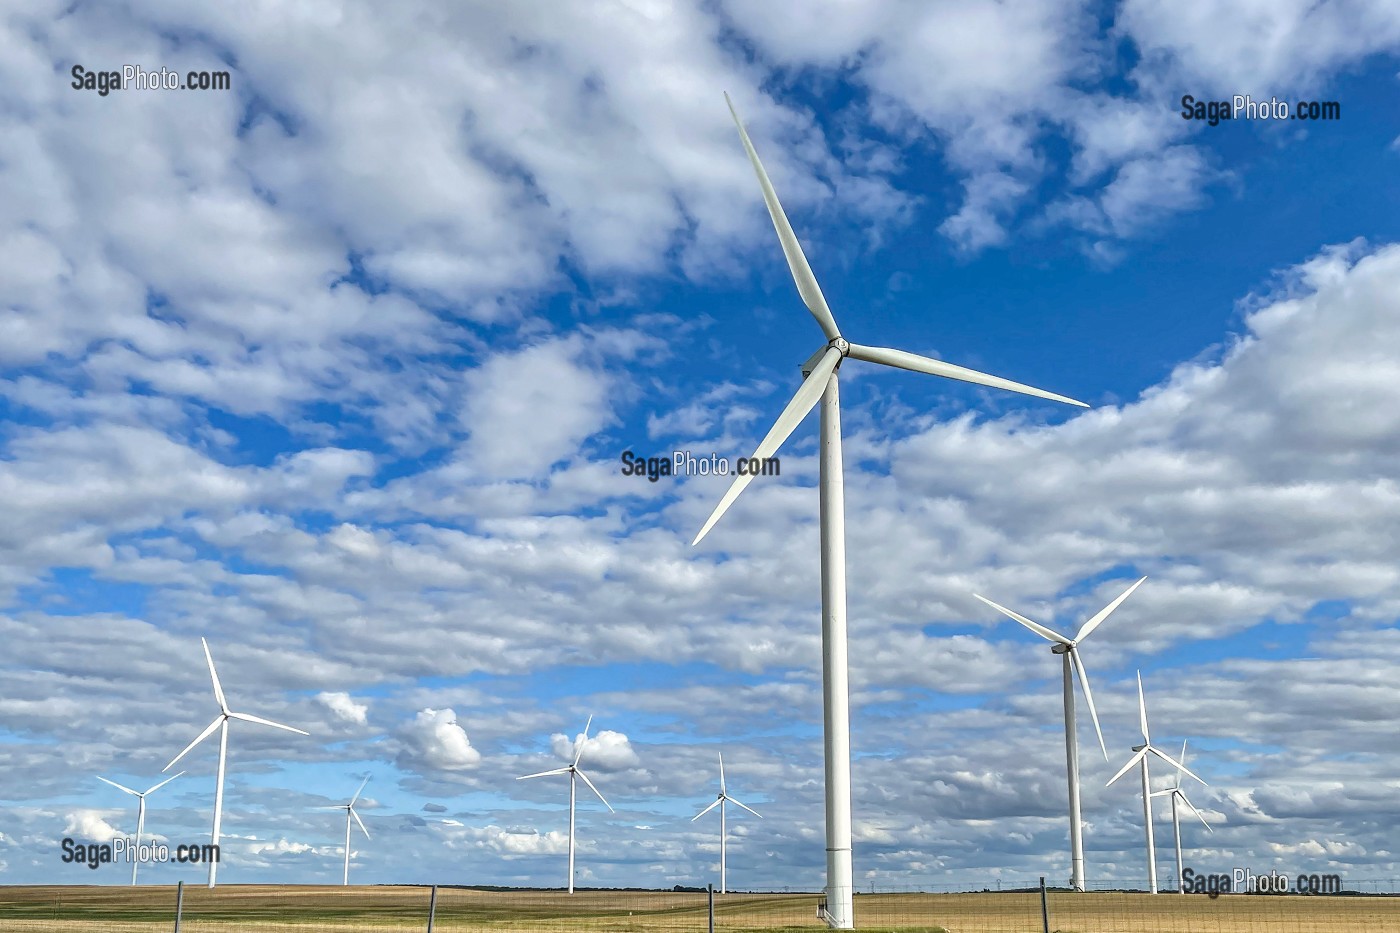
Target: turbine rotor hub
[839, 343]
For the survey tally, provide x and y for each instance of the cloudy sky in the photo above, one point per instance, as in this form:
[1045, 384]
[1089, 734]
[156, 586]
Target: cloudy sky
[335, 368]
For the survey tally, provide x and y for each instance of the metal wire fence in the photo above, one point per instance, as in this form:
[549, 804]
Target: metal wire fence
[382, 909]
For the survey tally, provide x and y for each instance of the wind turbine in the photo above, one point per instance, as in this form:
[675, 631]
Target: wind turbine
[221, 723]
[1140, 757]
[574, 772]
[1176, 793]
[1068, 650]
[820, 383]
[349, 809]
[140, 813]
[720, 802]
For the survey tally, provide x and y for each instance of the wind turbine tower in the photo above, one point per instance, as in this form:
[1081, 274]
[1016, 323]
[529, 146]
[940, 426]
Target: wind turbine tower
[574, 773]
[820, 384]
[723, 828]
[221, 723]
[1177, 794]
[1140, 753]
[1068, 650]
[349, 809]
[140, 813]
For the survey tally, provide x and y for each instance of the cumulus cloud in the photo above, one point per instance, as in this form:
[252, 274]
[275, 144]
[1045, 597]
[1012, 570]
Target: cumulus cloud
[433, 740]
[282, 846]
[604, 751]
[343, 707]
[89, 825]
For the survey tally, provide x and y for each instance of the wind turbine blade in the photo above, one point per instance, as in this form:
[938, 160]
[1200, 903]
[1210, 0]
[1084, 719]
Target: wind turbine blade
[358, 820]
[161, 784]
[1142, 711]
[706, 810]
[1183, 761]
[361, 790]
[578, 753]
[119, 786]
[200, 738]
[745, 806]
[1124, 770]
[1174, 763]
[1162, 793]
[1105, 612]
[923, 364]
[526, 777]
[721, 773]
[246, 717]
[1088, 696]
[1186, 800]
[214, 676]
[797, 262]
[1042, 631]
[803, 402]
[594, 789]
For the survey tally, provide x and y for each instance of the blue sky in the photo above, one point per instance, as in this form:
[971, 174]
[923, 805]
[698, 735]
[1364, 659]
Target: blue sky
[335, 369]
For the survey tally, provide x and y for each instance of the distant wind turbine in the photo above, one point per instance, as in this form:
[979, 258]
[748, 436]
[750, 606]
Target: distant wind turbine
[349, 809]
[1176, 793]
[1140, 757]
[1068, 650]
[140, 813]
[574, 772]
[221, 723]
[723, 835]
[820, 384]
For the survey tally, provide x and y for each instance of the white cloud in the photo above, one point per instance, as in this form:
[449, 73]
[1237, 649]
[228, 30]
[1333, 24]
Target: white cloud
[1258, 48]
[433, 740]
[529, 409]
[282, 846]
[516, 843]
[604, 751]
[343, 707]
[89, 826]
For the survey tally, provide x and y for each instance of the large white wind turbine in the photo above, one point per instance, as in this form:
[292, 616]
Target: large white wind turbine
[1140, 758]
[574, 772]
[349, 809]
[221, 723]
[140, 812]
[723, 828]
[820, 383]
[1176, 793]
[1068, 650]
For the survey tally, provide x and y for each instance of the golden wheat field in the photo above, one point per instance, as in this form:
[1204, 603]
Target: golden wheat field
[271, 908]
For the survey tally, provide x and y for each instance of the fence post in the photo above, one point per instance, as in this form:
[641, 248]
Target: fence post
[710, 888]
[432, 908]
[1044, 907]
[179, 904]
